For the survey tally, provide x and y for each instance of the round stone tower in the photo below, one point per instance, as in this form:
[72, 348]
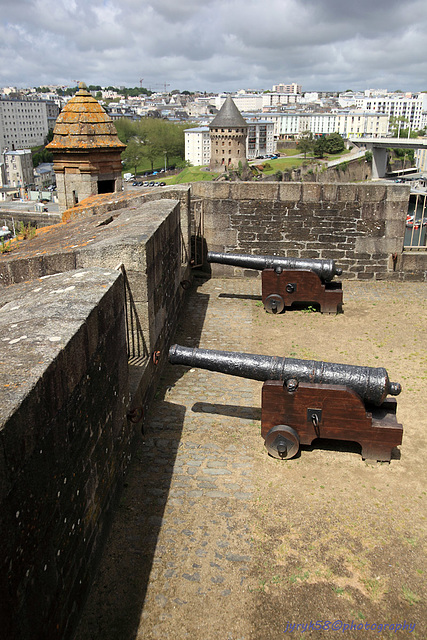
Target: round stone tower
[86, 151]
[228, 132]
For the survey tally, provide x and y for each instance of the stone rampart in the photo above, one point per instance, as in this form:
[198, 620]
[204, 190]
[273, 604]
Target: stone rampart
[87, 304]
[362, 226]
[65, 442]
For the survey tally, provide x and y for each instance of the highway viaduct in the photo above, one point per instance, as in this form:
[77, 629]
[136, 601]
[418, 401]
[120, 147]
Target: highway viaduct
[379, 147]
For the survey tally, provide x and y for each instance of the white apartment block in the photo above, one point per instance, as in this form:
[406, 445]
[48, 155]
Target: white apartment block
[274, 99]
[18, 168]
[293, 125]
[243, 101]
[421, 160]
[359, 124]
[410, 106]
[259, 141]
[197, 146]
[23, 123]
[287, 88]
[248, 102]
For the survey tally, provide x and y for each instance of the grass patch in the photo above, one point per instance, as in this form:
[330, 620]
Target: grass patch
[190, 174]
[410, 596]
[283, 164]
[289, 152]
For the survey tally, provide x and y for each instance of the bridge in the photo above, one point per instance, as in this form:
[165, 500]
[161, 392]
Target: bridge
[379, 147]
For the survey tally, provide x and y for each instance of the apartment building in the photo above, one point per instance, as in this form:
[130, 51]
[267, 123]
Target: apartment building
[260, 140]
[18, 168]
[294, 124]
[359, 124]
[197, 146]
[421, 160]
[23, 123]
[287, 88]
[409, 106]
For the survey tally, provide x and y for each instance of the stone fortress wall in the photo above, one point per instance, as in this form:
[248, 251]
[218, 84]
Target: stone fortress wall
[85, 308]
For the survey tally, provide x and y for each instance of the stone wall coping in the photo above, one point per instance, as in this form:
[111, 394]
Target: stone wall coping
[37, 320]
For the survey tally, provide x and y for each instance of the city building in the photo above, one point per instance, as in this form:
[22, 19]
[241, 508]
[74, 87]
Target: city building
[410, 108]
[197, 146]
[228, 132]
[287, 88]
[288, 125]
[360, 124]
[18, 168]
[259, 142]
[87, 151]
[23, 123]
[44, 175]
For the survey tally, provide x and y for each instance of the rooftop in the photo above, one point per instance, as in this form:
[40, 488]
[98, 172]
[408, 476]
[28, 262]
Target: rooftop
[84, 124]
[228, 116]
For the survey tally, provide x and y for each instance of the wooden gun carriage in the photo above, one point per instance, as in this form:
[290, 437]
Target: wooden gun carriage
[306, 399]
[286, 281]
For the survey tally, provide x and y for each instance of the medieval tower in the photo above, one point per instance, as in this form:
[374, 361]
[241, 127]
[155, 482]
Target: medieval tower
[86, 151]
[228, 132]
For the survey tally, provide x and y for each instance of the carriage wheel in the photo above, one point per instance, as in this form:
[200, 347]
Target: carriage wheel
[274, 303]
[282, 442]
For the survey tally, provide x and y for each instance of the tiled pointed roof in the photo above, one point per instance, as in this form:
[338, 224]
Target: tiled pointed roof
[83, 124]
[228, 116]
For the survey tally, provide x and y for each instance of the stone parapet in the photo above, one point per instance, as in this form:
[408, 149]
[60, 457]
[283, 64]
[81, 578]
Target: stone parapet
[361, 225]
[65, 442]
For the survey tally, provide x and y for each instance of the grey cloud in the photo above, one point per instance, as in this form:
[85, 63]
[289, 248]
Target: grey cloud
[215, 45]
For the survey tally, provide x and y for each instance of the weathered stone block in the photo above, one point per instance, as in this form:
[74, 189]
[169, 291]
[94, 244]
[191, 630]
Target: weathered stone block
[311, 192]
[290, 191]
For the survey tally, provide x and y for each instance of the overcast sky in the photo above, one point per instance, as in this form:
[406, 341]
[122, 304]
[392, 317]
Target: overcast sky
[215, 45]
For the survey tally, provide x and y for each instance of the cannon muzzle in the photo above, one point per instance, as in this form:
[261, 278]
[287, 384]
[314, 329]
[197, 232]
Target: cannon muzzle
[325, 269]
[371, 383]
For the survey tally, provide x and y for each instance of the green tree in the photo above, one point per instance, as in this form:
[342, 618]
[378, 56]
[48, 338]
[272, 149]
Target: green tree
[305, 143]
[133, 153]
[319, 147]
[396, 126]
[334, 143]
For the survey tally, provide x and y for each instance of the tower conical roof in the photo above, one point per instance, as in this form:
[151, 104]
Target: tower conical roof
[84, 124]
[228, 116]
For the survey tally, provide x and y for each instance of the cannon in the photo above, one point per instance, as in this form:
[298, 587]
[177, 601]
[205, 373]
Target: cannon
[286, 281]
[307, 399]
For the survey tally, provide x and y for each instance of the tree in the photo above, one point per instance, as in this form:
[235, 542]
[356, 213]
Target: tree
[305, 143]
[334, 143]
[319, 147]
[49, 137]
[133, 154]
[395, 124]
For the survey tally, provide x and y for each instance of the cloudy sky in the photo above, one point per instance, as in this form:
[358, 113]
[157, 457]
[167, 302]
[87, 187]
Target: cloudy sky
[215, 45]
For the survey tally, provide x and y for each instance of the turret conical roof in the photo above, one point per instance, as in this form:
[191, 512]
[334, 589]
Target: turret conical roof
[84, 124]
[228, 116]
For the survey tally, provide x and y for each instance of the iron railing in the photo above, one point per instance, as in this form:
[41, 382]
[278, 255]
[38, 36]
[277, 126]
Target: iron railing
[416, 223]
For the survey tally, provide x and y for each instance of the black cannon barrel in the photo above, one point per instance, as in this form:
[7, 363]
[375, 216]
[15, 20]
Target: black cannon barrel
[325, 269]
[371, 383]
